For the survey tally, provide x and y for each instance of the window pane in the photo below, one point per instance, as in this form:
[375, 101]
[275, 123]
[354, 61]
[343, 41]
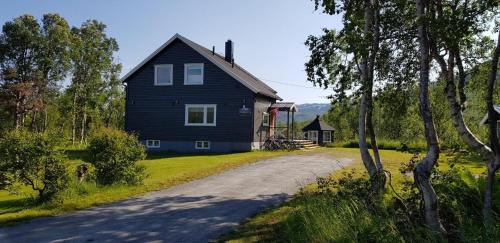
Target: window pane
[210, 115]
[163, 74]
[206, 144]
[157, 143]
[265, 120]
[195, 115]
[194, 74]
[199, 144]
[194, 79]
[149, 143]
[194, 71]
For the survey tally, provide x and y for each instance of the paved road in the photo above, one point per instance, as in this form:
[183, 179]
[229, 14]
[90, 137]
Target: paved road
[199, 211]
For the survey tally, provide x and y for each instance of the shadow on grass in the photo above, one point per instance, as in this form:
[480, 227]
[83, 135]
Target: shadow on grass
[85, 156]
[16, 205]
[163, 155]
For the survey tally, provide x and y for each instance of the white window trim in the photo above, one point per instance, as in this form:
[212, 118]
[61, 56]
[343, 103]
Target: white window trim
[204, 106]
[268, 119]
[202, 142]
[330, 140]
[152, 141]
[186, 65]
[171, 74]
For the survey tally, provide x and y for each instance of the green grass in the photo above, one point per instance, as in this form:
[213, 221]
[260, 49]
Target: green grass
[164, 170]
[329, 221]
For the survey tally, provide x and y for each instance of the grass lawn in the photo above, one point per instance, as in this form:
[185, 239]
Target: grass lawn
[164, 171]
[266, 226]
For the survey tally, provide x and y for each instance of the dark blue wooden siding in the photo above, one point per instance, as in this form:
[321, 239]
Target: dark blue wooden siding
[157, 112]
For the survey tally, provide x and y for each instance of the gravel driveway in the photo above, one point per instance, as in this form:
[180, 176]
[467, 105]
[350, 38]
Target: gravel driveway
[198, 211]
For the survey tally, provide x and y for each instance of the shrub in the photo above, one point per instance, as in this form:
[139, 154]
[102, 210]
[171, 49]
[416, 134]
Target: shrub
[32, 159]
[114, 154]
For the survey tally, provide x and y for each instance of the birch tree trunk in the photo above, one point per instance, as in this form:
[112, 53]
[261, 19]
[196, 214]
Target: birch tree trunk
[73, 134]
[374, 168]
[84, 123]
[422, 172]
[494, 162]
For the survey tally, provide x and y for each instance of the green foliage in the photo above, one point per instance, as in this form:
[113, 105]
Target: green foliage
[36, 55]
[32, 159]
[414, 146]
[115, 154]
[339, 211]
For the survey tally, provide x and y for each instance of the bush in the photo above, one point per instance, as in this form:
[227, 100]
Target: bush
[114, 154]
[32, 159]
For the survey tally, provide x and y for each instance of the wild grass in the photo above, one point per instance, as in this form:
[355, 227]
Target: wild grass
[386, 144]
[312, 216]
[163, 170]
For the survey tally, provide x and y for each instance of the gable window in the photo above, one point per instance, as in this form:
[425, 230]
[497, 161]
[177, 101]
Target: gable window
[200, 115]
[265, 119]
[163, 74]
[202, 145]
[153, 143]
[193, 73]
[327, 136]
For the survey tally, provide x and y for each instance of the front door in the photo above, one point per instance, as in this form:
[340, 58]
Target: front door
[313, 136]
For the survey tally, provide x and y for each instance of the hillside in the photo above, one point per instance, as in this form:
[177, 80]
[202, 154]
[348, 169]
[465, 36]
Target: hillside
[307, 112]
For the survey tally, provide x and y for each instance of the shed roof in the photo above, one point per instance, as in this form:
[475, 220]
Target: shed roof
[284, 106]
[485, 119]
[318, 125]
[236, 71]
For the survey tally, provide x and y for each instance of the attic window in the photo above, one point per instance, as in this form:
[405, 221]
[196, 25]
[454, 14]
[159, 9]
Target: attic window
[193, 73]
[163, 74]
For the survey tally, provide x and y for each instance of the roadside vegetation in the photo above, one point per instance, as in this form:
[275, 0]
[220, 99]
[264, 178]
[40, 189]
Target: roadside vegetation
[161, 171]
[337, 209]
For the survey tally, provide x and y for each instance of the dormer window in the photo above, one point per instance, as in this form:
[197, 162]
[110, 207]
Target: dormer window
[193, 73]
[163, 74]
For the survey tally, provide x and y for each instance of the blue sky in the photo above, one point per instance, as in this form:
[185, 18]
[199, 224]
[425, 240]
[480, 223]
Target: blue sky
[268, 34]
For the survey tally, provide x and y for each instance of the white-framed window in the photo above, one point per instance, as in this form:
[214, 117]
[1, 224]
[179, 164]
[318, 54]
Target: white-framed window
[327, 136]
[164, 74]
[152, 143]
[193, 73]
[200, 115]
[202, 145]
[265, 119]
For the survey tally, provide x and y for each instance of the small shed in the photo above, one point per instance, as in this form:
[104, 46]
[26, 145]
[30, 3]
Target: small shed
[318, 131]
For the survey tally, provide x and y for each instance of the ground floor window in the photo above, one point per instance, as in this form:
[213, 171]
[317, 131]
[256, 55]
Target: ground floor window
[327, 136]
[200, 115]
[202, 145]
[153, 143]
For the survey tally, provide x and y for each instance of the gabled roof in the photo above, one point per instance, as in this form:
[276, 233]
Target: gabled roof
[485, 119]
[237, 72]
[318, 125]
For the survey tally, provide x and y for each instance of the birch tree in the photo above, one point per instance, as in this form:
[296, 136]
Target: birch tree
[93, 70]
[422, 172]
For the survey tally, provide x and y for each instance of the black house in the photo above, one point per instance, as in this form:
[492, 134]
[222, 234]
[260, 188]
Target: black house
[318, 131]
[184, 97]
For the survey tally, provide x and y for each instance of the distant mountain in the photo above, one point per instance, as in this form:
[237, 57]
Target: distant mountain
[307, 112]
